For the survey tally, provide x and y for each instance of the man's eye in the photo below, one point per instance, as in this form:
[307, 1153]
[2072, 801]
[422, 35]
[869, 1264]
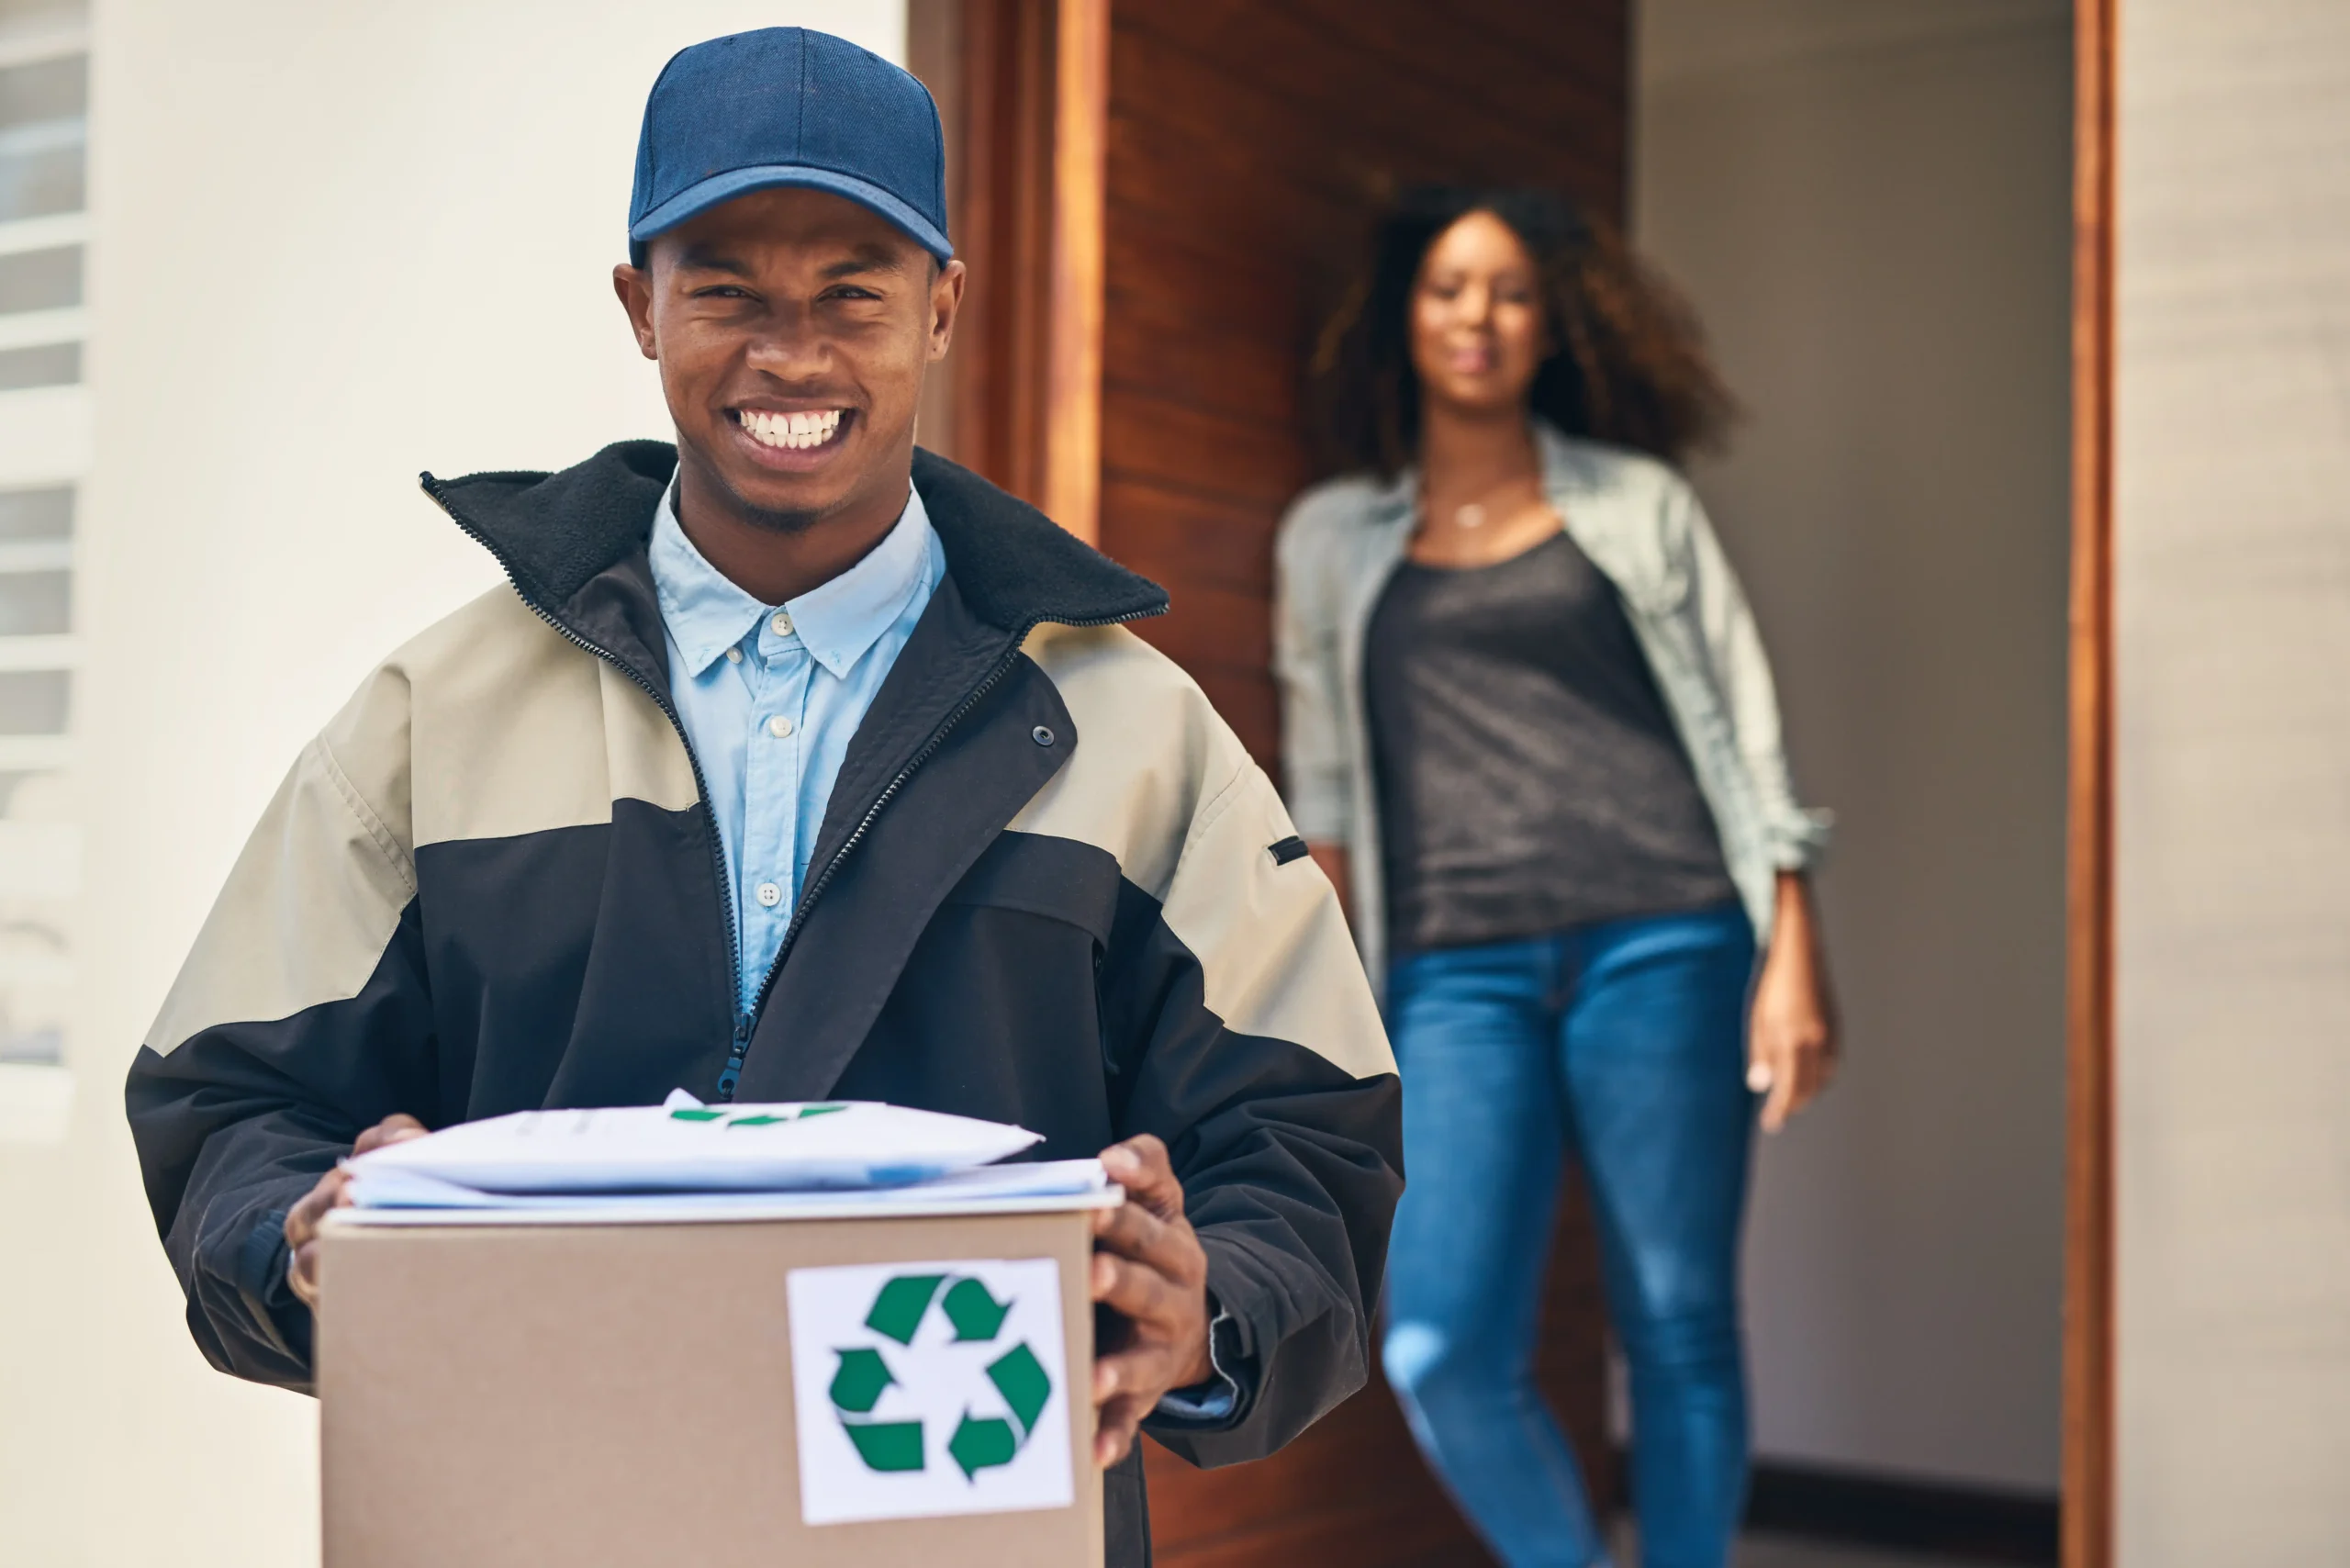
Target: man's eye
[723, 291]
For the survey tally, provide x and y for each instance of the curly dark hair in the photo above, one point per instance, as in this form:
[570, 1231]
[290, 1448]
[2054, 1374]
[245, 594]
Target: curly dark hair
[1627, 362]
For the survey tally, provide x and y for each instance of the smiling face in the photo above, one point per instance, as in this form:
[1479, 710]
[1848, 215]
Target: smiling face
[792, 327]
[1477, 332]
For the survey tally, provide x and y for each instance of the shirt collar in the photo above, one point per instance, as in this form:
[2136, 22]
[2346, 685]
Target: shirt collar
[837, 622]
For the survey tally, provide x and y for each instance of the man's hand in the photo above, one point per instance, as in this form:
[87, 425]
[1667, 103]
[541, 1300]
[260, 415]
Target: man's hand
[302, 1219]
[1149, 1268]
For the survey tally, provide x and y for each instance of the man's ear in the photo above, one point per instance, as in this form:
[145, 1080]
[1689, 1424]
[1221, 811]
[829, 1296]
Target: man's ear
[634, 286]
[945, 304]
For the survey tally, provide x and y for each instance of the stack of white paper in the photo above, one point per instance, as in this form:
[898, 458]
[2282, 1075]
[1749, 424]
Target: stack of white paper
[684, 1148]
[385, 1197]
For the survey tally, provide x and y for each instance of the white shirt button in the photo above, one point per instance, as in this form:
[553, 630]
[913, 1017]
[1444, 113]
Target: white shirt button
[733, 656]
[781, 623]
[770, 895]
[778, 726]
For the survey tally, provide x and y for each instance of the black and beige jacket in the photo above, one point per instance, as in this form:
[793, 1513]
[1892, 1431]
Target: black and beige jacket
[1052, 888]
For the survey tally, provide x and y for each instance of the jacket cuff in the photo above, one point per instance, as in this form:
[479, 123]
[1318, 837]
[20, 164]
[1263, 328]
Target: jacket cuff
[1800, 837]
[1234, 1350]
[1217, 1403]
[262, 1279]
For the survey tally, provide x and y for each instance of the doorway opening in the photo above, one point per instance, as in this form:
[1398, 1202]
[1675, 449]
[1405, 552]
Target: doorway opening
[1871, 209]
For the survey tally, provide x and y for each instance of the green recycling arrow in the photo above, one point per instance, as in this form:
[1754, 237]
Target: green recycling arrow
[887, 1445]
[1021, 1378]
[979, 1442]
[896, 1310]
[974, 1314]
[859, 1384]
[732, 1119]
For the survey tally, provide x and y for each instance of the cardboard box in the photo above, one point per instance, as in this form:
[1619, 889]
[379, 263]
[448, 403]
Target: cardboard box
[503, 1395]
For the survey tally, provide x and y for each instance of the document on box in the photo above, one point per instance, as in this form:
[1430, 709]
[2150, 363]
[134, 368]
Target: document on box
[921, 1389]
[686, 1147]
[390, 1195]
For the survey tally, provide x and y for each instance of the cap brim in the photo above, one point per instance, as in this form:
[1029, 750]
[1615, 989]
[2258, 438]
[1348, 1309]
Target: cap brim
[696, 200]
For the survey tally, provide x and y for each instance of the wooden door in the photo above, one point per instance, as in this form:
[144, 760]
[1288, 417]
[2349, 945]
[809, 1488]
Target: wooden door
[1159, 200]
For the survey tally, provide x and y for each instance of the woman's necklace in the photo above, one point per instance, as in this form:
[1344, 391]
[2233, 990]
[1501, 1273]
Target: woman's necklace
[1470, 516]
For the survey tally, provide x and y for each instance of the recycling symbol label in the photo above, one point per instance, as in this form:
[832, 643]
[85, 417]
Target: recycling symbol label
[922, 1389]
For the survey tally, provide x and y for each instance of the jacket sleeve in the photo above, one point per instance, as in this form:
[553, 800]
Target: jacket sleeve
[1314, 764]
[1248, 1039]
[299, 1019]
[1797, 837]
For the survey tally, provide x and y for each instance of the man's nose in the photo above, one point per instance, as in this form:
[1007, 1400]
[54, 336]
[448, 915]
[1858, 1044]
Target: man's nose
[787, 348]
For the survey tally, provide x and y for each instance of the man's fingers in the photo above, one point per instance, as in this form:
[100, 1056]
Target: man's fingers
[1132, 1231]
[333, 1192]
[1116, 1425]
[398, 1127]
[1140, 1165]
[303, 1274]
[1137, 1291]
[1148, 1365]
[302, 1219]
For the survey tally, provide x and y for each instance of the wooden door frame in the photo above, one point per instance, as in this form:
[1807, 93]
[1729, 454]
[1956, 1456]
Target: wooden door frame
[1030, 99]
[2089, 992]
[1078, 259]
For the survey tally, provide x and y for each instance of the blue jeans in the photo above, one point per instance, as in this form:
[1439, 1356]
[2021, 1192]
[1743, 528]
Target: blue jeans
[1623, 1042]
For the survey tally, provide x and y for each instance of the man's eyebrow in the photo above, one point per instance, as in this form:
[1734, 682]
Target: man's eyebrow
[867, 259]
[702, 258]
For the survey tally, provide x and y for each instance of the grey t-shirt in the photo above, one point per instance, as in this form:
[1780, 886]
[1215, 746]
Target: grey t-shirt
[1529, 777]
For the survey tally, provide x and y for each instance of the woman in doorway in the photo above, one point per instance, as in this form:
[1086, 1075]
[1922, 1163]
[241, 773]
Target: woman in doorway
[1531, 736]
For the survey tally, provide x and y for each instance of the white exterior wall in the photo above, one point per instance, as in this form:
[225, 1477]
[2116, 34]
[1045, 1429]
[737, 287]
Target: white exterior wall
[2232, 565]
[335, 243]
[1868, 204]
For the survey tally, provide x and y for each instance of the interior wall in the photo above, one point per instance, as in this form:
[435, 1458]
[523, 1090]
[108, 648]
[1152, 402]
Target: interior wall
[2231, 620]
[334, 244]
[1868, 204]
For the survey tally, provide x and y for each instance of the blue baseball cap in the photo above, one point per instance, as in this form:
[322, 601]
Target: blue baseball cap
[788, 106]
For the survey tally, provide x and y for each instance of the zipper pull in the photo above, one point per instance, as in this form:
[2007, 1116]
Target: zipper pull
[732, 1073]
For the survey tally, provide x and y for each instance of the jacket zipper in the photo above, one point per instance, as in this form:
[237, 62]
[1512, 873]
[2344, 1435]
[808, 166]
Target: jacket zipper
[741, 1036]
[824, 878]
[738, 1047]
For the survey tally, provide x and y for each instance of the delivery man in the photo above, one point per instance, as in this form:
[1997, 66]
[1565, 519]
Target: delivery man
[793, 762]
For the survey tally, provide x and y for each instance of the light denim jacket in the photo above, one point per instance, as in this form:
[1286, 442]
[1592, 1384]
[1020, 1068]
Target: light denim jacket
[1641, 524]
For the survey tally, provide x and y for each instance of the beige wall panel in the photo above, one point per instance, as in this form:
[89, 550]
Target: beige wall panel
[335, 243]
[1868, 203]
[2232, 827]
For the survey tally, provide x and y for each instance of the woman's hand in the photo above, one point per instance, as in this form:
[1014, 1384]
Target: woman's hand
[1791, 1043]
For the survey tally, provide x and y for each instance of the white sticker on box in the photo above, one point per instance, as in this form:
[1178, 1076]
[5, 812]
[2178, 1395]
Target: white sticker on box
[921, 1389]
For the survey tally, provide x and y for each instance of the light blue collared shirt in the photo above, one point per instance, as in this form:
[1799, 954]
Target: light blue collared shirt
[769, 696]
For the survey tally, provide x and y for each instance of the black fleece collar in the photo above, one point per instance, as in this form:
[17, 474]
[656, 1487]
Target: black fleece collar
[555, 532]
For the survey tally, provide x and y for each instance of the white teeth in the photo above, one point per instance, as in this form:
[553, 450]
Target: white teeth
[793, 431]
